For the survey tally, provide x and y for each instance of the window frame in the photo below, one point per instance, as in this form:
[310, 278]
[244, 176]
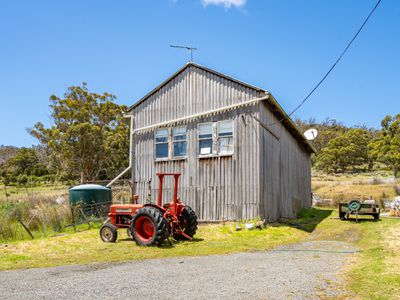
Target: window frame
[173, 141]
[159, 143]
[204, 139]
[170, 142]
[232, 136]
[215, 139]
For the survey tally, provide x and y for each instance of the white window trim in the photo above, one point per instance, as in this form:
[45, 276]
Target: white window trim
[231, 136]
[179, 141]
[215, 139]
[213, 152]
[155, 144]
[170, 143]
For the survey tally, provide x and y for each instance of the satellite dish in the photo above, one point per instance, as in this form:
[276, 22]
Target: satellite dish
[311, 134]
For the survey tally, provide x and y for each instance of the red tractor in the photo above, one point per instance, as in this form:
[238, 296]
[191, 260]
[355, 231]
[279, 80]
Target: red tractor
[150, 224]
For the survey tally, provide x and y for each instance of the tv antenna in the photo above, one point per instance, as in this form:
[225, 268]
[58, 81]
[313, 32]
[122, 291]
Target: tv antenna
[188, 48]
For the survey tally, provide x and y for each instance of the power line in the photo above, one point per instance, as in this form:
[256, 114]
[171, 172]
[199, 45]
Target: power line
[332, 67]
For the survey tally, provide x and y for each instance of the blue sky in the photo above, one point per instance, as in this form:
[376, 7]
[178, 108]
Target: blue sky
[122, 47]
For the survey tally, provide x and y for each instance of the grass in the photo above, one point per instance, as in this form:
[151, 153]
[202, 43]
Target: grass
[19, 193]
[43, 216]
[378, 186]
[374, 272]
[86, 246]
[39, 210]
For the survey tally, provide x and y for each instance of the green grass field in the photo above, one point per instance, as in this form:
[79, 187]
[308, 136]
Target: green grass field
[86, 247]
[372, 273]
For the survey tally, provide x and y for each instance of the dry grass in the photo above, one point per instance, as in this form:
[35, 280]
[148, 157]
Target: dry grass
[37, 209]
[19, 194]
[362, 186]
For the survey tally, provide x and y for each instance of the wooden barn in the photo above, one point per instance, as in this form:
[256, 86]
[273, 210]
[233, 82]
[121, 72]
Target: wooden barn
[238, 161]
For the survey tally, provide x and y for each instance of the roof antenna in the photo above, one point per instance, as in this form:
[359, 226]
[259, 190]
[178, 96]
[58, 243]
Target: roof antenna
[188, 48]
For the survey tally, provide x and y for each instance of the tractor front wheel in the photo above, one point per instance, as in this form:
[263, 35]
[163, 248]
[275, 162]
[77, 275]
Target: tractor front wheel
[108, 233]
[149, 228]
[187, 222]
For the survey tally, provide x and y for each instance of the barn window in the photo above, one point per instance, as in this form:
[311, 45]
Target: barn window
[179, 141]
[205, 138]
[225, 137]
[161, 142]
[216, 138]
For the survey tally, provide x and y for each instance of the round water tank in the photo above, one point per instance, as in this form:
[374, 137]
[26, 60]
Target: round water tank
[89, 195]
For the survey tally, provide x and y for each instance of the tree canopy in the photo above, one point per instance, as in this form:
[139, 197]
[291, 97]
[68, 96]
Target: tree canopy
[89, 134]
[385, 147]
[346, 152]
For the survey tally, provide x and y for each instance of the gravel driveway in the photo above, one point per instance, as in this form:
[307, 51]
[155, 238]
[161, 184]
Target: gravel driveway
[301, 271]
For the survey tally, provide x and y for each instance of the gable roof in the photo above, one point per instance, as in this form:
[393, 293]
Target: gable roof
[183, 69]
[276, 108]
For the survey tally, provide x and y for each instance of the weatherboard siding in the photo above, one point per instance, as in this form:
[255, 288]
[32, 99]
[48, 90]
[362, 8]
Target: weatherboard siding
[192, 91]
[221, 187]
[264, 176]
[285, 168]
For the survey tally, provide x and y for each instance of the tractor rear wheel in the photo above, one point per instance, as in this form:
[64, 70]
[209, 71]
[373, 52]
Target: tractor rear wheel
[149, 228]
[108, 233]
[187, 222]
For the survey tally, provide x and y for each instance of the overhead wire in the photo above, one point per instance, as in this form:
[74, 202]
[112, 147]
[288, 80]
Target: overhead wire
[332, 67]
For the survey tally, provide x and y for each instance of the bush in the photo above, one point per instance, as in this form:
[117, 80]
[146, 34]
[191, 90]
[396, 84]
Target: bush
[22, 179]
[39, 170]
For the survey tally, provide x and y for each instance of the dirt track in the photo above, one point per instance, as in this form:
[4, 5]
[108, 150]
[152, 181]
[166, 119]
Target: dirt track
[302, 271]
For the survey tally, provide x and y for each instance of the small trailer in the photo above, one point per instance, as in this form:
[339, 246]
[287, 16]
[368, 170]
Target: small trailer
[358, 208]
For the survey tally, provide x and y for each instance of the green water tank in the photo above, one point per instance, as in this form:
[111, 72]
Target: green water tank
[89, 195]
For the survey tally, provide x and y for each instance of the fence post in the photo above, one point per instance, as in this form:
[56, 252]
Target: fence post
[73, 217]
[23, 225]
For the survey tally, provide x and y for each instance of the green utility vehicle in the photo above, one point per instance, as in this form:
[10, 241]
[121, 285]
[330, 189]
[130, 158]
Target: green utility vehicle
[358, 208]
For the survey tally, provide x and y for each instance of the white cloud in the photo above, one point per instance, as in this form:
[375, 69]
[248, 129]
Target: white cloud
[226, 3]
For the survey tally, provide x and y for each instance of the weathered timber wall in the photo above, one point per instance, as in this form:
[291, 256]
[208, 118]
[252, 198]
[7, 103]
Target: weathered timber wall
[223, 187]
[285, 170]
[266, 176]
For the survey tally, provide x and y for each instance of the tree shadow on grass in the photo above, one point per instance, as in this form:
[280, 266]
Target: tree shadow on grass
[308, 219]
